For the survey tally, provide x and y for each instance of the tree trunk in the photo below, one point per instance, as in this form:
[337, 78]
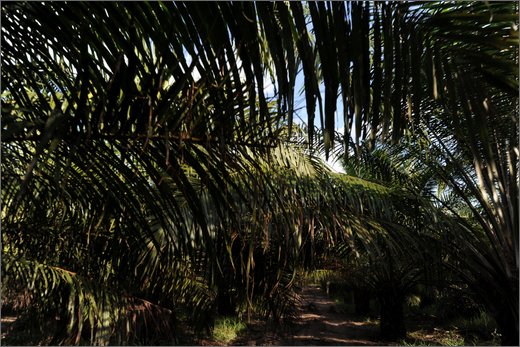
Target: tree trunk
[507, 327]
[503, 305]
[361, 302]
[226, 305]
[392, 316]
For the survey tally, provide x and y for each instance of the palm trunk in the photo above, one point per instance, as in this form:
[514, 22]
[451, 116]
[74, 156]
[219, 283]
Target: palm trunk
[501, 299]
[507, 322]
[226, 305]
[361, 302]
[508, 328]
[392, 324]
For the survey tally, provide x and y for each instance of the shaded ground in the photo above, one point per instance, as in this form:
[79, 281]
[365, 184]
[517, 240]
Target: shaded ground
[5, 324]
[320, 322]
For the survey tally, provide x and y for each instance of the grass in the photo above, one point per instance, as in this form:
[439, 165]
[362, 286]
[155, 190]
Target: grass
[226, 329]
[439, 337]
[483, 323]
[314, 277]
[452, 338]
[479, 330]
[476, 328]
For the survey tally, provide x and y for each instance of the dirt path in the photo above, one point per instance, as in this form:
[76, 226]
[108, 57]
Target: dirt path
[320, 323]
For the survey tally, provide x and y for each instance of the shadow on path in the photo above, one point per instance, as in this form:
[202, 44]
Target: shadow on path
[319, 323]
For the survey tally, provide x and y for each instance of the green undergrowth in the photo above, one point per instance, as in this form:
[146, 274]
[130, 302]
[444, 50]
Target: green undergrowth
[480, 330]
[226, 329]
[437, 337]
[315, 277]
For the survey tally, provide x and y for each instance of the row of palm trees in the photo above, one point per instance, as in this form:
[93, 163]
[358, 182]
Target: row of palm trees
[149, 180]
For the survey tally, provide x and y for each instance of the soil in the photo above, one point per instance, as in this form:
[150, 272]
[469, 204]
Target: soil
[320, 322]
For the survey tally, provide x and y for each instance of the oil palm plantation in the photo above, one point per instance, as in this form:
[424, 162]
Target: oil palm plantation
[391, 274]
[141, 133]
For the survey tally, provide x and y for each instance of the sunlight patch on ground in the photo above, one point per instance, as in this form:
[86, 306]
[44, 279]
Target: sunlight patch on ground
[335, 340]
[310, 316]
[347, 323]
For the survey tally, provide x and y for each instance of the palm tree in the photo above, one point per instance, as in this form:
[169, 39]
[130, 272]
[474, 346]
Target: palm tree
[118, 187]
[117, 116]
[140, 215]
[454, 97]
[388, 272]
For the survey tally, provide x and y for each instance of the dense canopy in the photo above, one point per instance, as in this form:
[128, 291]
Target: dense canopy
[163, 160]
